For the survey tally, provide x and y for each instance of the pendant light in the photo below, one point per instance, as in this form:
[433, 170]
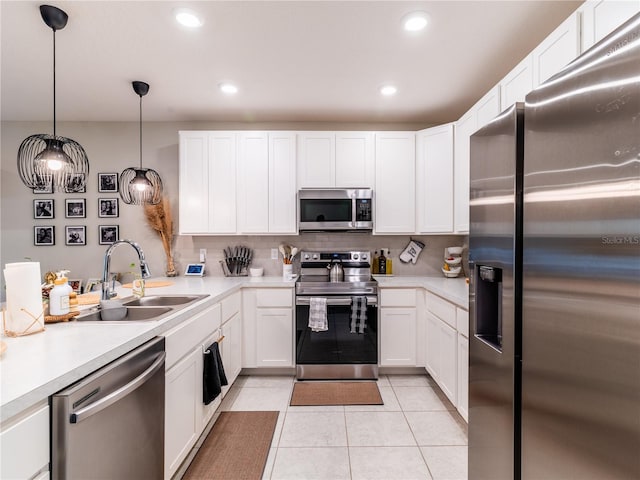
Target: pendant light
[49, 161]
[140, 186]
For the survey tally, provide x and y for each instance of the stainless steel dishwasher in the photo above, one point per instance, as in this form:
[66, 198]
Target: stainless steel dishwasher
[110, 425]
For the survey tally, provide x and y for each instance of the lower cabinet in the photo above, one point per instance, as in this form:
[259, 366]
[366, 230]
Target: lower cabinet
[442, 356]
[24, 445]
[268, 333]
[185, 413]
[398, 336]
[463, 376]
[232, 350]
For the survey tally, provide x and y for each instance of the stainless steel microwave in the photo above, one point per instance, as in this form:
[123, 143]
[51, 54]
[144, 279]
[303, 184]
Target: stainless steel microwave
[335, 209]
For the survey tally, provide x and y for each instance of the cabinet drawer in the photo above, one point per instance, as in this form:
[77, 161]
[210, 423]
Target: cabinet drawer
[183, 338]
[462, 322]
[230, 306]
[25, 445]
[398, 297]
[442, 309]
[274, 297]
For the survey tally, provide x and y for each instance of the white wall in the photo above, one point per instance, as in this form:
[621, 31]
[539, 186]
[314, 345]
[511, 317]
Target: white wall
[112, 147]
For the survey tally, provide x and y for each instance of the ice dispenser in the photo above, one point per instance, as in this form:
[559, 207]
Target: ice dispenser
[489, 305]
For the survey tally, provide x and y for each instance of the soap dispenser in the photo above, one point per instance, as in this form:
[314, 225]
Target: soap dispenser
[59, 295]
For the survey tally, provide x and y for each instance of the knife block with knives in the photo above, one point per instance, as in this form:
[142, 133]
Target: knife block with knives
[236, 261]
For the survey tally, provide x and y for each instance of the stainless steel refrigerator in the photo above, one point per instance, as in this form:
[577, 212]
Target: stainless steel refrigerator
[554, 255]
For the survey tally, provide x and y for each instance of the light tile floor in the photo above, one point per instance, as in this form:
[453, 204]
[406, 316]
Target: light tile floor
[416, 434]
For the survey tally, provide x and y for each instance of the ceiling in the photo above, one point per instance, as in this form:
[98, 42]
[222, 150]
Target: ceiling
[293, 61]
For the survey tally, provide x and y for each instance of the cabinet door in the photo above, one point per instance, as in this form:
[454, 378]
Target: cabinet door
[488, 107]
[193, 183]
[282, 183]
[253, 189]
[601, 17]
[434, 179]
[518, 83]
[222, 182]
[354, 162]
[463, 376]
[464, 128]
[433, 347]
[398, 337]
[232, 350]
[24, 445]
[395, 197]
[448, 377]
[557, 50]
[274, 337]
[205, 412]
[181, 418]
[316, 159]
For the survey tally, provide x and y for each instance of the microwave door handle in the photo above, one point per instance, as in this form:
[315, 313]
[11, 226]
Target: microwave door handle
[354, 203]
[337, 301]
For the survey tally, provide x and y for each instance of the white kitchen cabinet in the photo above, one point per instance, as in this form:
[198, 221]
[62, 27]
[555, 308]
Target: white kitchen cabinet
[517, 83]
[463, 376]
[557, 50]
[478, 116]
[335, 159]
[232, 350]
[394, 194]
[266, 183]
[354, 159]
[268, 330]
[24, 444]
[398, 328]
[316, 159]
[434, 179]
[185, 413]
[601, 17]
[207, 183]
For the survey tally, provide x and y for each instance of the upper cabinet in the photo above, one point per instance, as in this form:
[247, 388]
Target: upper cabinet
[601, 17]
[207, 183]
[557, 50]
[394, 193]
[267, 206]
[478, 116]
[434, 179]
[517, 83]
[335, 159]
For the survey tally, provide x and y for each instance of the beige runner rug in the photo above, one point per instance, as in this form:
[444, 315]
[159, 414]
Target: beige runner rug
[335, 393]
[236, 448]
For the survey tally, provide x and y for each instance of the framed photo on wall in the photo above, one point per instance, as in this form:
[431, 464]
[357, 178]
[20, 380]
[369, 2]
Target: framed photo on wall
[44, 235]
[46, 186]
[108, 234]
[75, 235]
[75, 208]
[108, 207]
[107, 182]
[77, 180]
[43, 208]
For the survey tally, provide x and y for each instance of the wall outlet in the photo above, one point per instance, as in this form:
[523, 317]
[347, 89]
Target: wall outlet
[203, 255]
[274, 254]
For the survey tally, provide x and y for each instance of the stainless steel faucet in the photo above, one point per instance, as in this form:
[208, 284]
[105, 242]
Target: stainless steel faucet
[107, 292]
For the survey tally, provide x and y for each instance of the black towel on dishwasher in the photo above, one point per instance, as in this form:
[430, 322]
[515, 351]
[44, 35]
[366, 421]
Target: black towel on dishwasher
[213, 377]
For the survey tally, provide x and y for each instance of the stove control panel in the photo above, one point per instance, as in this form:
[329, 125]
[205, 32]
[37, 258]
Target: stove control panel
[345, 257]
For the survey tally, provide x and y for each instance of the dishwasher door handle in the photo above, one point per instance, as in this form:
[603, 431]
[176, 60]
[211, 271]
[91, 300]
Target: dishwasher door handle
[118, 394]
[371, 301]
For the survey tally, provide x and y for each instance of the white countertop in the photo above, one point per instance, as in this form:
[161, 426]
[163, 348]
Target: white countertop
[36, 366]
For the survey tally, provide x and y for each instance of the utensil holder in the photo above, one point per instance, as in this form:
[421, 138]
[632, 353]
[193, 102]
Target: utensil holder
[287, 271]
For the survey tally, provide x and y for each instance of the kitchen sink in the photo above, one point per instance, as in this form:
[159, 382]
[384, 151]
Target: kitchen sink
[134, 314]
[162, 300]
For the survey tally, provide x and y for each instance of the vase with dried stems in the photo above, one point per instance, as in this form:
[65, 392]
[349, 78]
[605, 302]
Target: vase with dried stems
[159, 218]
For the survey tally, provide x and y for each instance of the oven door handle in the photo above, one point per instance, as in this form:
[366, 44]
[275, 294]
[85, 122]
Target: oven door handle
[372, 301]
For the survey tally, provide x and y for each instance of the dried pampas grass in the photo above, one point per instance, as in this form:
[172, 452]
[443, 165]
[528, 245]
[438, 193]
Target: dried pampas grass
[159, 218]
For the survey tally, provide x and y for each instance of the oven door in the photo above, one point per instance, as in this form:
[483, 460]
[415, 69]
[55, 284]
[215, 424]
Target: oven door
[337, 345]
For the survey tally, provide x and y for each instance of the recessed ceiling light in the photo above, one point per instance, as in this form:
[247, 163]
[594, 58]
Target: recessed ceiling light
[228, 88]
[416, 21]
[388, 90]
[188, 18]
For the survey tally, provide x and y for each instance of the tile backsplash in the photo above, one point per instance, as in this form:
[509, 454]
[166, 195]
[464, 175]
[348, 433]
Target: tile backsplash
[429, 262]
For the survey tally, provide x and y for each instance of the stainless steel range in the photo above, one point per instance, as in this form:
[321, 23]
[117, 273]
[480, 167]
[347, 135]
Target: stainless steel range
[336, 317]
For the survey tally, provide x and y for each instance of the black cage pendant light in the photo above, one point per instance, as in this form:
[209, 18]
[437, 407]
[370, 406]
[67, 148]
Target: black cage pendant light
[140, 186]
[49, 161]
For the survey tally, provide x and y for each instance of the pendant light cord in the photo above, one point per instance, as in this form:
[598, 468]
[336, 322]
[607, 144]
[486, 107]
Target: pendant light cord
[54, 81]
[140, 131]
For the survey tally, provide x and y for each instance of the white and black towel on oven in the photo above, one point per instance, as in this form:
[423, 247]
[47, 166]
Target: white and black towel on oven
[318, 314]
[213, 376]
[358, 313]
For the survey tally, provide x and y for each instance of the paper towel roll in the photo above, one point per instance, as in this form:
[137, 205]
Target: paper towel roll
[24, 313]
